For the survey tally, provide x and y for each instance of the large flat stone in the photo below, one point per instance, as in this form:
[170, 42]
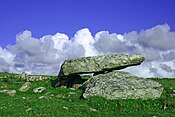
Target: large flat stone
[121, 85]
[97, 64]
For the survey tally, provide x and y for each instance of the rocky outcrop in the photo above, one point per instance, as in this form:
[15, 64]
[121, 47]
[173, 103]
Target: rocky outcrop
[121, 85]
[99, 64]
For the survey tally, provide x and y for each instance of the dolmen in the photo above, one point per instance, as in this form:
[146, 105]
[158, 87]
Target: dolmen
[106, 81]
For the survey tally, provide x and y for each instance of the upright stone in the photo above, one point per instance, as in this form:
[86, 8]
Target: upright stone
[97, 64]
[121, 85]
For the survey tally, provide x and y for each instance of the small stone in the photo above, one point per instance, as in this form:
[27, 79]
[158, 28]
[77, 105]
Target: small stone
[63, 87]
[66, 108]
[3, 86]
[28, 109]
[52, 95]
[25, 87]
[76, 86]
[93, 109]
[9, 92]
[71, 93]
[73, 89]
[39, 89]
[42, 97]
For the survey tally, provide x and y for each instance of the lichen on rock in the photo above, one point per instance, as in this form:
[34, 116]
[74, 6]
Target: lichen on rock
[121, 85]
[99, 63]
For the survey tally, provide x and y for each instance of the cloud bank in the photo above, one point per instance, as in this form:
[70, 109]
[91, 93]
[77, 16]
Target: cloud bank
[46, 54]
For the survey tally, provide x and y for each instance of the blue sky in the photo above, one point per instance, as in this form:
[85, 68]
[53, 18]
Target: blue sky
[44, 17]
[36, 36]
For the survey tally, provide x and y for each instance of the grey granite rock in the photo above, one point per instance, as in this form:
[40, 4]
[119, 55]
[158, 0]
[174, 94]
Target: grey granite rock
[97, 64]
[121, 85]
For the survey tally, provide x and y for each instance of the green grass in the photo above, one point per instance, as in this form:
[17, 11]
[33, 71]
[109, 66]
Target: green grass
[63, 102]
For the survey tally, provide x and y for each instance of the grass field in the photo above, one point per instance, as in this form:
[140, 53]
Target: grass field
[64, 102]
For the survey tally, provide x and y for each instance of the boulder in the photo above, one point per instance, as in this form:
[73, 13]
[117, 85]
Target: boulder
[99, 64]
[9, 92]
[121, 85]
[25, 87]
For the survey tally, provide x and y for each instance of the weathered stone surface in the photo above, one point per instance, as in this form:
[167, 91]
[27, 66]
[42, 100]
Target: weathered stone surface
[26, 86]
[121, 85]
[9, 92]
[99, 64]
[39, 89]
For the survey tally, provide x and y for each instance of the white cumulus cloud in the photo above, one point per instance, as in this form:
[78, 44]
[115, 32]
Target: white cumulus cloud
[46, 54]
[158, 37]
[6, 60]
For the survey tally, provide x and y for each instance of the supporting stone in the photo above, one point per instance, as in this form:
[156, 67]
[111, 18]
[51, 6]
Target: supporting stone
[121, 85]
